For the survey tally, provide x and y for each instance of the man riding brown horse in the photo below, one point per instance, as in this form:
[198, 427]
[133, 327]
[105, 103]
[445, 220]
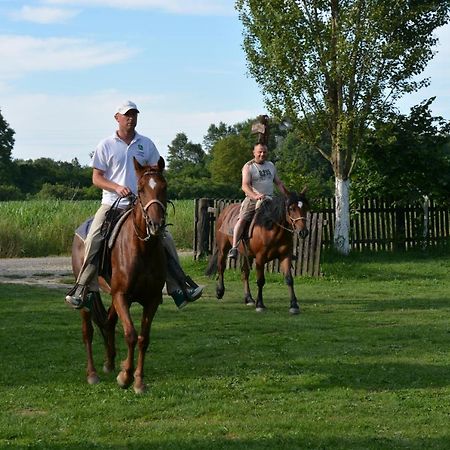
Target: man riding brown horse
[258, 177]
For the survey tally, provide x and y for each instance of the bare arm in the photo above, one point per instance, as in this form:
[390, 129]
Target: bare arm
[99, 180]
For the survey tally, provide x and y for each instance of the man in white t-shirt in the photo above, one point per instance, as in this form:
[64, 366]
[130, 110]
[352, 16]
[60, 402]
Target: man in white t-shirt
[114, 173]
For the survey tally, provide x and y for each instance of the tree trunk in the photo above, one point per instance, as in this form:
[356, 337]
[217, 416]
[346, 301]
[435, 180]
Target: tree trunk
[342, 223]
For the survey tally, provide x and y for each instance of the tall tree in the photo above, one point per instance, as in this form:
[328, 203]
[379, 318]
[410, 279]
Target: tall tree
[6, 147]
[184, 155]
[228, 156]
[332, 66]
[215, 133]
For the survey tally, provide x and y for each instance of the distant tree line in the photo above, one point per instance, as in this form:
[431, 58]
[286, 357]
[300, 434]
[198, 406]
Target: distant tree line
[404, 157]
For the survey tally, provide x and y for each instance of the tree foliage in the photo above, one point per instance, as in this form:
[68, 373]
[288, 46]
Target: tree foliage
[184, 156]
[227, 158]
[406, 157]
[299, 165]
[6, 147]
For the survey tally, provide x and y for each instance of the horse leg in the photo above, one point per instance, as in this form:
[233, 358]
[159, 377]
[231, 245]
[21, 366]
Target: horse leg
[245, 271]
[260, 281]
[221, 266]
[148, 313]
[285, 265]
[125, 376]
[110, 340]
[88, 333]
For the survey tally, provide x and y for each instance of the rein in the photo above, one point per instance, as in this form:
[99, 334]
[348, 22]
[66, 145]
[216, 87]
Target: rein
[293, 220]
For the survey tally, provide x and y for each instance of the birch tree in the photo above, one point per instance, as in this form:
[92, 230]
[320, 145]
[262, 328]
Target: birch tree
[333, 66]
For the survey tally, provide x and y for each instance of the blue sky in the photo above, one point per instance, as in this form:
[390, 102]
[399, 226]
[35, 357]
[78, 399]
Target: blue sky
[66, 64]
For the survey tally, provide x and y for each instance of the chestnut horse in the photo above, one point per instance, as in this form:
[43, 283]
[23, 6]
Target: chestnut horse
[271, 238]
[138, 274]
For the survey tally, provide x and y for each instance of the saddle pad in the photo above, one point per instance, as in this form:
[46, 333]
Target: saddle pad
[83, 230]
[229, 220]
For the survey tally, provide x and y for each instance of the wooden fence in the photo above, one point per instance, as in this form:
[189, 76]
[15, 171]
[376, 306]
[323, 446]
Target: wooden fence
[375, 224]
[306, 251]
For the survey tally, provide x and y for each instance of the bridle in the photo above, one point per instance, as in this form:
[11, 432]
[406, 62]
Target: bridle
[149, 224]
[292, 221]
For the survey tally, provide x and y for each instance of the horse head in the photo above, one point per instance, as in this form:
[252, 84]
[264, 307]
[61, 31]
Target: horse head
[297, 206]
[151, 196]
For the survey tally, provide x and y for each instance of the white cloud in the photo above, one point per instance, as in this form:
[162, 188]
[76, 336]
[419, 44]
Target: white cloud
[64, 127]
[201, 7]
[26, 54]
[43, 15]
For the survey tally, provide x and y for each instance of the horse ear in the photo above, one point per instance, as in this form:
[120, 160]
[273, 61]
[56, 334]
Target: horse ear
[161, 163]
[137, 166]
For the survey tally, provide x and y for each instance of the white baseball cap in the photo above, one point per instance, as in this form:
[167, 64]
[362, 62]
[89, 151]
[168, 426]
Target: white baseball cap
[124, 107]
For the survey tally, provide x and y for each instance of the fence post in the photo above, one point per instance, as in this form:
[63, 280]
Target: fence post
[400, 236]
[201, 243]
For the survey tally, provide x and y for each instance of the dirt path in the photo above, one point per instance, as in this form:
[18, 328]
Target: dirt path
[52, 271]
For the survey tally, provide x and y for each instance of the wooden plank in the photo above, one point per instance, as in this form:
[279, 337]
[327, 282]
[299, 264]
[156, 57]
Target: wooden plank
[318, 245]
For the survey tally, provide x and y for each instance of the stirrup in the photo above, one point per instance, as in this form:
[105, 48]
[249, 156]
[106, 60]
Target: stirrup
[76, 296]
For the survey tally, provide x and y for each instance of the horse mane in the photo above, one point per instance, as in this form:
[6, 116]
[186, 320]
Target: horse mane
[274, 211]
[270, 212]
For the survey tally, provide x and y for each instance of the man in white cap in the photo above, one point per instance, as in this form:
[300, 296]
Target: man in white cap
[114, 173]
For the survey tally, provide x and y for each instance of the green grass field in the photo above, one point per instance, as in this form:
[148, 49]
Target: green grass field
[365, 366]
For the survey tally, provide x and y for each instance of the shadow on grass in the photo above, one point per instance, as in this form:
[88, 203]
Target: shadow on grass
[304, 442]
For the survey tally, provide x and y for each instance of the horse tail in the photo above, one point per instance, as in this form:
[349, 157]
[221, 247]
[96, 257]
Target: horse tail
[99, 313]
[212, 263]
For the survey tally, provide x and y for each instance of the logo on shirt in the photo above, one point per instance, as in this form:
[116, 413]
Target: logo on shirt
[140, 147]
[264, 173]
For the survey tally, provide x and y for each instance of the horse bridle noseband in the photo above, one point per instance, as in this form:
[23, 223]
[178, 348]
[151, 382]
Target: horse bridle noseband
[144, 208]
[293, 221]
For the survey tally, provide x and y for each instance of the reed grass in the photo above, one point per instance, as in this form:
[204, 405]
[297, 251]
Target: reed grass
[45, 227]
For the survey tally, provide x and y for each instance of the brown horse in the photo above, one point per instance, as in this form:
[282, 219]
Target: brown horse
[138, 274]
[271, 238]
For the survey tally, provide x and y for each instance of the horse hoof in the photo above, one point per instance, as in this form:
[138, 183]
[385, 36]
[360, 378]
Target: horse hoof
[261, 309]
[107, 368]
[294, 311]
[249, 302]
[122, 380]
[93, 379]
[139, 390]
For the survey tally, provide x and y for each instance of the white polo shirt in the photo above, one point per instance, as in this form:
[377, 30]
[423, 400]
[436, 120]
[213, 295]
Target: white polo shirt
[115, 158]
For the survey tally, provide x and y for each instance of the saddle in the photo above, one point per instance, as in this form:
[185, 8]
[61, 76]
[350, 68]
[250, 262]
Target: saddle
[259, 217]
[110, 229]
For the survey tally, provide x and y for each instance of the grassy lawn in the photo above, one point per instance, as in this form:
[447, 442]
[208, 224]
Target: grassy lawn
[365, 366]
